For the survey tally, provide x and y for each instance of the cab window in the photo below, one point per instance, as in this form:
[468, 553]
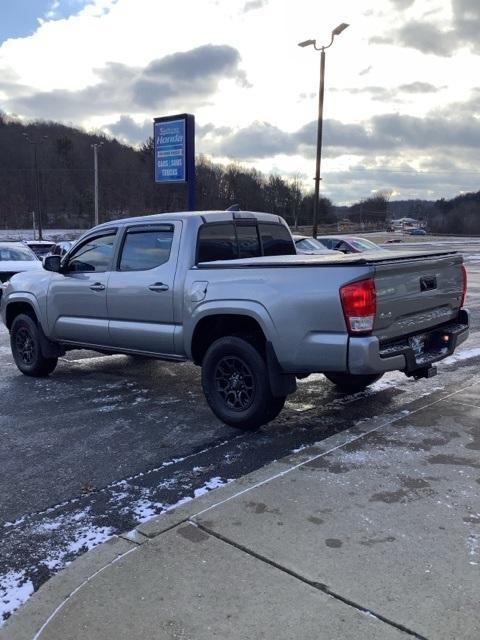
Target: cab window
[94, 255]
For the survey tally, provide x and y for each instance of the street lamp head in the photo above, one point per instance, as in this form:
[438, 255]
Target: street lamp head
[306, 43]
[338, 30]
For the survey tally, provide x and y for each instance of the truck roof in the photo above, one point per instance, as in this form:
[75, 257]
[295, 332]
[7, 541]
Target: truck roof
[204, 216]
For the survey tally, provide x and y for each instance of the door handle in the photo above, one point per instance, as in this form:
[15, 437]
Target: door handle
[158, 286]
[98, 286]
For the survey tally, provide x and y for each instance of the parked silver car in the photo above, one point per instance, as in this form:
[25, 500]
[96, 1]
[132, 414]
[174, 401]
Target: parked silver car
[306, 245]
[349, 244]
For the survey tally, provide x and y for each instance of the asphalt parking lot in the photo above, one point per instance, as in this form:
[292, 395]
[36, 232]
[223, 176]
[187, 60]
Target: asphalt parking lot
[107, 442]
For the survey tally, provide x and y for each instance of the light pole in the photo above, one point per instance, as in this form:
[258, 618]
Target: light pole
[96, 146]
[35, 144]
[337, 31]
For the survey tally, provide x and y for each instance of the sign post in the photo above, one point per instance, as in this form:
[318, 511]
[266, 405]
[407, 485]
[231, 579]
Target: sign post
[174, 147]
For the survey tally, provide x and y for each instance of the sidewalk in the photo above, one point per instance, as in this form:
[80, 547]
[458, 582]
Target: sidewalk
[372, 534]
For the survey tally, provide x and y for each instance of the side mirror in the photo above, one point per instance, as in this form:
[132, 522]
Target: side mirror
[52, 263]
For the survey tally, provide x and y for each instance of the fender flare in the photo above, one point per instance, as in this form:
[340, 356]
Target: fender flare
[252, 309]
[49, 349]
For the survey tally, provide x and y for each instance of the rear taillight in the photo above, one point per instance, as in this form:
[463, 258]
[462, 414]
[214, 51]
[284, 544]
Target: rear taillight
[359, 302]
[464, 292]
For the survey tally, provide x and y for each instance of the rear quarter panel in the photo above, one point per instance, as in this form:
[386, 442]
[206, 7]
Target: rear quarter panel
[298, 308]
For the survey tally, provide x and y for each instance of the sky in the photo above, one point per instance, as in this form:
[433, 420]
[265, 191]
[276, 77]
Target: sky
[402, 87]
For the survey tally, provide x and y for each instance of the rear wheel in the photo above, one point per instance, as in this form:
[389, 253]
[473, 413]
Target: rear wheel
[236, 385]
[351, 383]
[26, 350]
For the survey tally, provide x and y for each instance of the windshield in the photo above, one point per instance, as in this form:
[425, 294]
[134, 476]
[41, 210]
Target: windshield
[14, 253]
[364, 245]
[310, 244]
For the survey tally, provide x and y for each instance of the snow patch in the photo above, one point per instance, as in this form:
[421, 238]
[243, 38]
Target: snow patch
[15, 589]
[473, 544]
[213, 483]
[145, 509]
[299, 407]
[464, 354]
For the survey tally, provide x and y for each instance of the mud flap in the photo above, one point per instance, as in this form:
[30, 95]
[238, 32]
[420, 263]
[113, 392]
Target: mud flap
[49, 349]
[281, 384]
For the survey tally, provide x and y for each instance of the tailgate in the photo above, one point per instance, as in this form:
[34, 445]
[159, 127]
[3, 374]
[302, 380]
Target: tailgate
[416, 294]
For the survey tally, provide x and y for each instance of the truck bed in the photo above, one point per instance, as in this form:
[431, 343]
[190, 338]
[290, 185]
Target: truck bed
[415, 290]
[365, 258]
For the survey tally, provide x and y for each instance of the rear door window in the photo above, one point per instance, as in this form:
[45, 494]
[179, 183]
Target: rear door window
[217, 242]
[276, 240]
[146, 249]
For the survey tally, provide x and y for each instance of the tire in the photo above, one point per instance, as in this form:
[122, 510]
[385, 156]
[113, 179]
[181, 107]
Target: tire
[351, 383]
[26, 350]
[236, 386]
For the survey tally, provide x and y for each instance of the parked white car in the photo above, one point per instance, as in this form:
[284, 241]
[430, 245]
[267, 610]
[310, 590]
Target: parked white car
[16, 257]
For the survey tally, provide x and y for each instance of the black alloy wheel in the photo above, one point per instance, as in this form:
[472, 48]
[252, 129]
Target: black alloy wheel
[25, 341]
[235, 383]
[25, 346]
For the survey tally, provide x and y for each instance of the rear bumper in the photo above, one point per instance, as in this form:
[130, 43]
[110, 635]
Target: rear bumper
[367, 356]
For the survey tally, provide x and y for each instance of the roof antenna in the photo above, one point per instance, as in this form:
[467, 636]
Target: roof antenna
[233, 207]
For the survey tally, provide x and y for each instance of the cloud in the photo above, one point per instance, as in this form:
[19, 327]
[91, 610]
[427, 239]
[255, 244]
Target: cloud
[427, 38]
[466, 21]
[364, 72]
[392, 93]
[363, 177]
[430, 38]
[185, 77]
[251, 5]
[258, 140]
[127, 130]
[402, 4]
[419, 87]
[387, 134]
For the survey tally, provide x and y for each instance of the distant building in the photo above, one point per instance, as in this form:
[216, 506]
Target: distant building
[401, 224]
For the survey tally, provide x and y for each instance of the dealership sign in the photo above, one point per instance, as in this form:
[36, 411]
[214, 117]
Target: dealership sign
[174, 146]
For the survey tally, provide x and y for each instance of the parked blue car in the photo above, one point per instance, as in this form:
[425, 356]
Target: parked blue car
[418, 232]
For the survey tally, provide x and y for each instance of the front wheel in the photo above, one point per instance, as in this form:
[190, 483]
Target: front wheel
[351, 383]
[236, 385]
[26, 351]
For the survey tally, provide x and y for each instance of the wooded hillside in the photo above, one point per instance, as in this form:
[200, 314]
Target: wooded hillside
[126, 185]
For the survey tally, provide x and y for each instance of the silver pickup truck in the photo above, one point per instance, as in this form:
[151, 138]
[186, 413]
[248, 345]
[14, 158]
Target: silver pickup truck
[227, 291]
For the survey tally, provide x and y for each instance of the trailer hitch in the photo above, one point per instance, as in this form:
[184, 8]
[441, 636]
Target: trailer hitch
[424, 372]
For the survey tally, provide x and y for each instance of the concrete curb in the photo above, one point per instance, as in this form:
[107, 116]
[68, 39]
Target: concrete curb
[44, 603]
